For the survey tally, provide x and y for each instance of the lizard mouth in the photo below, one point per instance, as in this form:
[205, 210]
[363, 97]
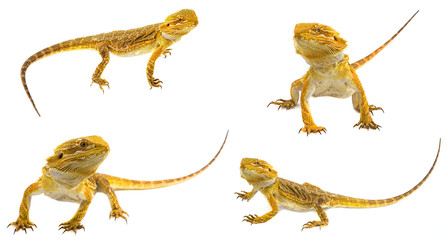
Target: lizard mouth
[80, 163]
[309, 44]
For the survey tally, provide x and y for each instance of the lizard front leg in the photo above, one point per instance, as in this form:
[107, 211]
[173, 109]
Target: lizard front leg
[309, 124]
[74, 224]
[154, 82]
[254, 219]
[324, 220]
[361, 104]
[96, 78]
[104, 186]
[23, 221]
[295, 89]
[246, 195]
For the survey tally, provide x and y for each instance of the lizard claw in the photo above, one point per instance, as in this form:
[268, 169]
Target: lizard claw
[374, 108]
[367, 123]
[155, 82]
[118, 213]
[312, 224]
[22, 225]
[282, 103]
[251, 218]
[71, 226]
[312, 129]
[243, 195]
[166, 52]
[101, 82]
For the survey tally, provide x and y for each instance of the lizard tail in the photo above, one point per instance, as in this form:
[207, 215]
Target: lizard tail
[78, 43]
[126, 184]
[366, 59]
[343, 201]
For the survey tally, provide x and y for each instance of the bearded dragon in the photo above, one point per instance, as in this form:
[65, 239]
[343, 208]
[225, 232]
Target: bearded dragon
[70, 175]
[330, 74]
[156, 38]
[302, 197]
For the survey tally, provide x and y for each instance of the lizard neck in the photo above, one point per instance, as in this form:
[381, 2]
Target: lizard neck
[171, 37]
[327, 62]
[63, 180]
[260, 185]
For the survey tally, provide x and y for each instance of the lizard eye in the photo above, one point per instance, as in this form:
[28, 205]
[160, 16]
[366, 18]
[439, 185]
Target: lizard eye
[318, 30]
[168, 24]
[83, 144]
[61, 155]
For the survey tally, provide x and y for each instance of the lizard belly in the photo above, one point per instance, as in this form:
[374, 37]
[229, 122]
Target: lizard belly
[135, 52]
[331, 87]
[293, 205]
[65, 196]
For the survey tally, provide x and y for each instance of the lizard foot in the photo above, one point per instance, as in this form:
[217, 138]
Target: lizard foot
[374, 108]
[166, 52]
[312, 129]
[118, 213]
[71, 226]
[244, 195]
[367, 123]
[155, 82]
[286, 104]
[101, 82]
[253, 219]
[22, 225]
[312, 224]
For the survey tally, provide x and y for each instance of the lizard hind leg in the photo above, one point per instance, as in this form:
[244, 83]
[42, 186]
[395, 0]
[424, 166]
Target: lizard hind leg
[324, 220]
[356, 104]
[104, 186]
[96, 78]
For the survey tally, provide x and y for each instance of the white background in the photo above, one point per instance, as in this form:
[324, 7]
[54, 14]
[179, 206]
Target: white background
[221, 76]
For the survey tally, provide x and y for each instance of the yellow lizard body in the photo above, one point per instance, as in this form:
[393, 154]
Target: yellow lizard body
[330, 74]
[70, 175]
[302, 197]
[156, 38]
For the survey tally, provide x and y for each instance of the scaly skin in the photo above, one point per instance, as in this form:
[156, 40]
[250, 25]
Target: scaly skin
[70, 175]
[302, 197]
[330, 74]
[156, 38]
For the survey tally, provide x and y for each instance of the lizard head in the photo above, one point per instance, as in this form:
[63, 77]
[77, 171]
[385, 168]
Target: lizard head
[257, 171]
[178, 24]
[77, 159]
[314, 40]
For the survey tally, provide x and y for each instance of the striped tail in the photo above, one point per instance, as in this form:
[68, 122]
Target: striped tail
[78, 43]
[366, 59]
[348, 202]
[126, 184]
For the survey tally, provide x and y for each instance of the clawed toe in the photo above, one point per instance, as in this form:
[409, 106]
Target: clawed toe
[282, 103]
[312, 129]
